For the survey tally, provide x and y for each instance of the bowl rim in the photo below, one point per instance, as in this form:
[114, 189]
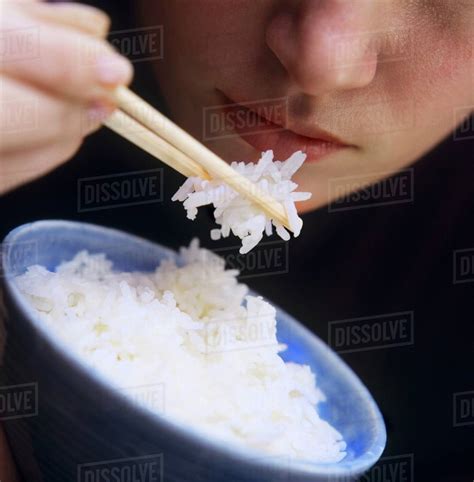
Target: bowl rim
[248, 456]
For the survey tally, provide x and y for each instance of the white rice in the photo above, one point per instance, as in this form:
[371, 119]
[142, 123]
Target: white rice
[237, 214]
[194, 335]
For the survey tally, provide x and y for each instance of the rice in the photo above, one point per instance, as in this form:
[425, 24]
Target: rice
[236, 214]
[192, 329]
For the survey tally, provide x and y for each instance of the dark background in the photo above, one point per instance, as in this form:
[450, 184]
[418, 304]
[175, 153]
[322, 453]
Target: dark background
[346, 264]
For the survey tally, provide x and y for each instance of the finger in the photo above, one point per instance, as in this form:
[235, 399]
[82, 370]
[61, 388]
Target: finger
[61, 60]
[30, 118]
[29, 164]
[85, 18]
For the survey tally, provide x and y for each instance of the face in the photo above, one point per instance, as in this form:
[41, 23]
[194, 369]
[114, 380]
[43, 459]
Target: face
[364, 87]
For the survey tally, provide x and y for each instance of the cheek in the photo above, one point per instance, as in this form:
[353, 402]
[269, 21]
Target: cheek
[444, 75]
[426, 94]
[203, 32]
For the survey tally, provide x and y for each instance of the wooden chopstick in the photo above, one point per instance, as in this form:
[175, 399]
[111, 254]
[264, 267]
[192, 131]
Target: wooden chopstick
[136, 133]
[149, 129]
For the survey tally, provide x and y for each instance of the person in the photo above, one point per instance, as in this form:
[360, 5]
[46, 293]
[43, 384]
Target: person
[367, 89]
[369, 86]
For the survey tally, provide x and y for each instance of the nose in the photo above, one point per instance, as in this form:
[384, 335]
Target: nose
[325, 45]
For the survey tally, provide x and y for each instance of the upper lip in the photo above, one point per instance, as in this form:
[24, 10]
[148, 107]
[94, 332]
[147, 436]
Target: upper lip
[311, 131]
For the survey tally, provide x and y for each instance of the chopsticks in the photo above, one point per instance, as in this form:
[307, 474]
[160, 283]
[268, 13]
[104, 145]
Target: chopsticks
[138, 122]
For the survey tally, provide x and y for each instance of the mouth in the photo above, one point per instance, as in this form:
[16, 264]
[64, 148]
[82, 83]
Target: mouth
[264, 126]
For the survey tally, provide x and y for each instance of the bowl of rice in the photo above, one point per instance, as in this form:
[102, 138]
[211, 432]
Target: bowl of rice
[139, 364]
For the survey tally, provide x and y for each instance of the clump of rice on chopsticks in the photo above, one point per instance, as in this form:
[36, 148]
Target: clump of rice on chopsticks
[236, 214]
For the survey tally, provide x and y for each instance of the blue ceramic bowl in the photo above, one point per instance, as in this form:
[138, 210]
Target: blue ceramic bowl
[82, 429]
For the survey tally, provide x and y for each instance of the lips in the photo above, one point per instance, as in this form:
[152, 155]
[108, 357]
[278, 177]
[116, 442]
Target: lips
[263, 129]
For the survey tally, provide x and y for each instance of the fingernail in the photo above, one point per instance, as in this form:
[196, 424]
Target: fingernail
[113, 70]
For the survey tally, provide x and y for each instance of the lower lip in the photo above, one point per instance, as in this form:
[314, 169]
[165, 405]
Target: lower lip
[284, 143]
[264, 135]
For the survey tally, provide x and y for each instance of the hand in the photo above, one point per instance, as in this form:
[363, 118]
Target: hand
[57, 73]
